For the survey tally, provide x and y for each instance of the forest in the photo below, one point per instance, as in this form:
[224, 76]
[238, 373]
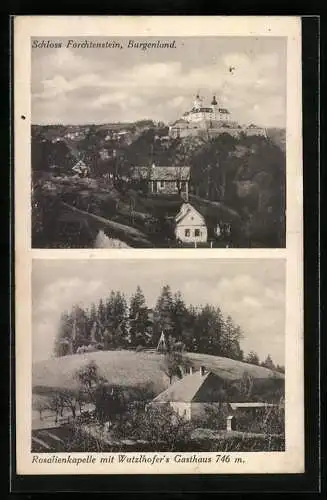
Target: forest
[116, 323]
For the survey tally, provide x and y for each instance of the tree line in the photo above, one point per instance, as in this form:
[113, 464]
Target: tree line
[118, 323]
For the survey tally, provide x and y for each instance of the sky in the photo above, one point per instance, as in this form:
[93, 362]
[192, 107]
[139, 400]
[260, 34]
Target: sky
[252, 293]
[79, 86]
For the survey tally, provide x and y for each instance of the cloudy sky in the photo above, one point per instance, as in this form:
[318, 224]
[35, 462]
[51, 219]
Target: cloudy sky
[78, 86]
[252, 293]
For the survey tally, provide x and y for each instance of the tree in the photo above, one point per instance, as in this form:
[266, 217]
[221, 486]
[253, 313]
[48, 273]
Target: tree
[175, 364]
[101, 312]
[158, 425]
[245, 386]
[268, 363]
[163, 313]
[80, 333]
[89, 148]
[178, 316]
[109, 402]
[89, 377]
[138, 319]
[93, 325]
[63, 342]
[252, 358]
[229, 342]
[115, 321]
[209, 330]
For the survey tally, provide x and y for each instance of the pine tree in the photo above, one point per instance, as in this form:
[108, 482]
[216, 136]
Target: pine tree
[231, 335]
[190, 337]
[94, 332]
[117, 319]
[80, 331]
[209, 330]
[101, 312]
[178, 316]
[138, 320]
[163, 314]
[63, 342]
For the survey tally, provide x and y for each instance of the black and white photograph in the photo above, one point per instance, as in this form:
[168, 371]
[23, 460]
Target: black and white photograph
[158, 142]
[132, 356]
[158, 245]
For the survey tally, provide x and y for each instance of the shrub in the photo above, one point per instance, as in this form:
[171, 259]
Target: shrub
[157, 425]
[270, 420]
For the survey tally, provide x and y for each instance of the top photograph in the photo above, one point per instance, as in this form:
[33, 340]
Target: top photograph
[158, 142]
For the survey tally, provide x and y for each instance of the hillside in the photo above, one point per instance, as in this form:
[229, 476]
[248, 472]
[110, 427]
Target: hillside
[241, 180]
[137, 369]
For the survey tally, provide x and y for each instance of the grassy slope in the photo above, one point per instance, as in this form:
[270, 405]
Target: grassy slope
[132, 369]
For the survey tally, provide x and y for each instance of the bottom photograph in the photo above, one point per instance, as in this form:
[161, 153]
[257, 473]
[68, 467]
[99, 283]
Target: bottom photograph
[176, 355]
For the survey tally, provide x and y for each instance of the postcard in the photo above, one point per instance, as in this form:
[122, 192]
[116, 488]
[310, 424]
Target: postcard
[158, 230]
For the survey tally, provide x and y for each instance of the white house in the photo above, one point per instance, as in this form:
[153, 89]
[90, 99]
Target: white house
[81, 169]
[190, 225]
[191, 396]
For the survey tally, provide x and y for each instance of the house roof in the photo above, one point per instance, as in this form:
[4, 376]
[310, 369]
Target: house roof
[162, 173]
[80, 163]
[187, 389]
[186, 209]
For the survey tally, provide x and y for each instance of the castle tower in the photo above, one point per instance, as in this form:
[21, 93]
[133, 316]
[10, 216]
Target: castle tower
[214, 105]
[197, 102]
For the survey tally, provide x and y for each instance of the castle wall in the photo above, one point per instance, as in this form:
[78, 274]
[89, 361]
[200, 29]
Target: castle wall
[255, 131]
[215, 132]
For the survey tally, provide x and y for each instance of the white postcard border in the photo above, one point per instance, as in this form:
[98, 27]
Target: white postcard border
[292, 460]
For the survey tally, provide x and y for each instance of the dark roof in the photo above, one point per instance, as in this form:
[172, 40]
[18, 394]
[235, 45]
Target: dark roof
[185, 390]
[162, 173]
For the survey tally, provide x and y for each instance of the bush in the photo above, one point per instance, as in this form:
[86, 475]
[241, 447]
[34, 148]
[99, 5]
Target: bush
[270, 420]
[157, 425]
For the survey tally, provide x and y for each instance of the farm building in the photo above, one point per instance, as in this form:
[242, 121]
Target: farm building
[165, 180]
[191, 395]
[190, 225]
[198, 391]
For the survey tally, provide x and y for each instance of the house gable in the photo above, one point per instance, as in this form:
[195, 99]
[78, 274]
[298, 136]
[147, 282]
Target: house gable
[191, 218]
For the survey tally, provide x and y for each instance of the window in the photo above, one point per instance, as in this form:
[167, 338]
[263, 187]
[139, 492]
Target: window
[162, 184]
[197, 232]
[187, 232]
[183, 186]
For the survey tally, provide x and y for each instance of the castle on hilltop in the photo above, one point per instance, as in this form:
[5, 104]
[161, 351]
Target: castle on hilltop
[210, 121]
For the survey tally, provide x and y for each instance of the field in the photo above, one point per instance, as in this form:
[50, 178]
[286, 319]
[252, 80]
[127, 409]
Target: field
[134, 369]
